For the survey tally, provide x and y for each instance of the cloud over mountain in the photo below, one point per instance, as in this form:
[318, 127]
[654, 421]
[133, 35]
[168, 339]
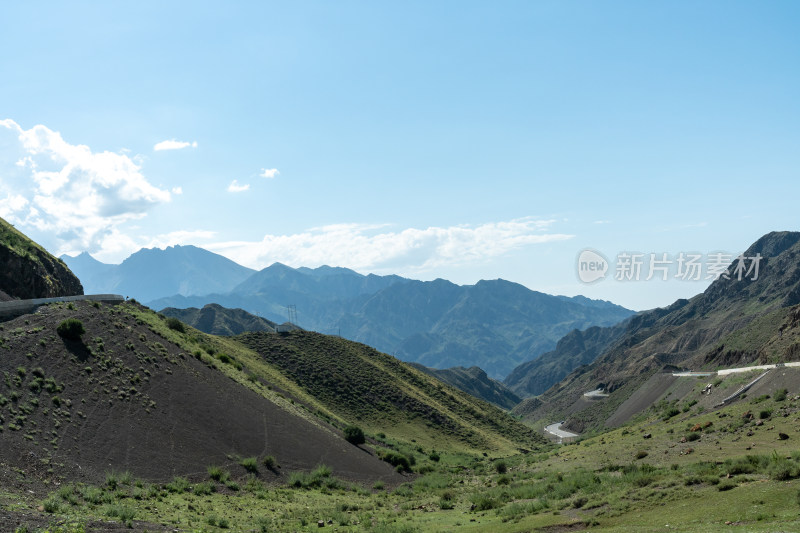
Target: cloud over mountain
[79, 195]
[371, 247]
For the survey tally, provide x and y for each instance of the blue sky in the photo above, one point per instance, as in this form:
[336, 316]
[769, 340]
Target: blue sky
[463, 140]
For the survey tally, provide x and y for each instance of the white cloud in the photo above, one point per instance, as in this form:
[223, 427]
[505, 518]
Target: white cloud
[269, 172]
[78, 196]
[177, 190]
[236, 187]
[373, 248]
[172, 144]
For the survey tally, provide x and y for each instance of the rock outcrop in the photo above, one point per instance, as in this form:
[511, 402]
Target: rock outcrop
[28, 271]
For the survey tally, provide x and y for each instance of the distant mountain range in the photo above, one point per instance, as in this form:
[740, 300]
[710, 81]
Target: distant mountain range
[495, 324]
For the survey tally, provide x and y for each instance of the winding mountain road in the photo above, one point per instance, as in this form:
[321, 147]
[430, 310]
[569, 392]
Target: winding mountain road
[555, 429]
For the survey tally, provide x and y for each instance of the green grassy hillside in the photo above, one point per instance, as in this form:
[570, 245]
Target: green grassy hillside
[361, 385]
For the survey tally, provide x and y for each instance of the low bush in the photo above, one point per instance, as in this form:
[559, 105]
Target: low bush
[51, 505]
[71, 328]
[217, 473]
[354, 435]
[669, 413]
[398, 460]
[319, 477]
[176, 325]
[178, 485]
[270, 462]
[783, 470]
[483, 502]
[122, 512]
[204, 488]
[250, 464]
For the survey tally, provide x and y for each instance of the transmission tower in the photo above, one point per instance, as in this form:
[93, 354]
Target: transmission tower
[291, 312]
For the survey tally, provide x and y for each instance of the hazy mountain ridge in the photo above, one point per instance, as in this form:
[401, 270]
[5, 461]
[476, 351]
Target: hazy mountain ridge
[435, 323]
[151, 273]
[494, 324]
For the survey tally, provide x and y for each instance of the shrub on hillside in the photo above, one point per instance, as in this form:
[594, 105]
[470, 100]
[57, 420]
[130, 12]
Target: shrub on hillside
[398, 460]
[270, 462]
[354, 435]
[176, 325]
[250, 464]
[217, 473]
[670, 412]
[71, 328]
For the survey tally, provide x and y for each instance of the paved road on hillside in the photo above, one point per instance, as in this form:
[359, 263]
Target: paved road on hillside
[14, 308]
[555, 429]
[726, 371]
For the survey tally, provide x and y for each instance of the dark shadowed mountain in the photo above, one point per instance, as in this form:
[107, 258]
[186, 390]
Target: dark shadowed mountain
[474, 381]
[152, 273]
[733, 323]
[576, 348]
[495, 324]
[28, 271]
[218, 320]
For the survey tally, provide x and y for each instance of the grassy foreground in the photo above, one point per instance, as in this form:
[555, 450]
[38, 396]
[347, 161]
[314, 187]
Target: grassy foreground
[617, 481]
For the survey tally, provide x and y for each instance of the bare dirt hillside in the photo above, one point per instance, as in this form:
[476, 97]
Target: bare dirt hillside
[124, 398]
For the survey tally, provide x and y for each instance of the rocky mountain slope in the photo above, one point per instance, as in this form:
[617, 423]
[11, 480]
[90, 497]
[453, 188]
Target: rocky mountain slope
[28, 271]
[704, 332]
[576, 348]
